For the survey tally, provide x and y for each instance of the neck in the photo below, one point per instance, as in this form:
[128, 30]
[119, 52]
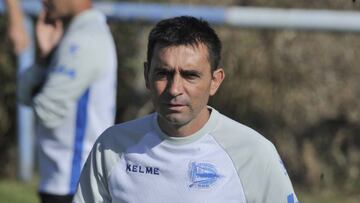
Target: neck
[81, 6]
[187, 129]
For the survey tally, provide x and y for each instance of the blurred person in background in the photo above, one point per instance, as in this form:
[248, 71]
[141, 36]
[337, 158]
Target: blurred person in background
[72, 90]
[186, 151]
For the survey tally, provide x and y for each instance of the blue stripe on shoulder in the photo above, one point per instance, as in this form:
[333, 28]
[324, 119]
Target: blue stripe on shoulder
[81, 122]
[291, 198]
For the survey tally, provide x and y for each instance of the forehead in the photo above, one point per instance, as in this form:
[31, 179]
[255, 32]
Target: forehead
[58, 2]
[180, 54]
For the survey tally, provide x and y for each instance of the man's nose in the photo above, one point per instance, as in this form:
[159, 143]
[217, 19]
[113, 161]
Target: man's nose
[176, 85]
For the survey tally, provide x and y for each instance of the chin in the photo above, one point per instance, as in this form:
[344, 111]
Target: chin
[176, 120]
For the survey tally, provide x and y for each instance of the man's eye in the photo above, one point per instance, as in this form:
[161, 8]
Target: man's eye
[161, 74]
[190, 76]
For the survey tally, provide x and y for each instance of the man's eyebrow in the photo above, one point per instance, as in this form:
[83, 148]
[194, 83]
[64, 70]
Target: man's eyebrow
[194, 72]
[182, 71]
[161, 68]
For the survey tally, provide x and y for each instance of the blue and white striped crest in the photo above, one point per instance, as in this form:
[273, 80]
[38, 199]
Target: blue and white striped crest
[202, 175]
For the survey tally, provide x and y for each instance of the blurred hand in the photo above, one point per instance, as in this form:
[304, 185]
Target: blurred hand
[48, 34]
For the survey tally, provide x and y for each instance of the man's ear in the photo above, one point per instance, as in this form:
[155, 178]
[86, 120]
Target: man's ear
[217, 77]
[146, 75]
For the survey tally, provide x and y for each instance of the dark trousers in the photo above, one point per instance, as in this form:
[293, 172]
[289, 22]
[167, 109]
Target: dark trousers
[49, 198]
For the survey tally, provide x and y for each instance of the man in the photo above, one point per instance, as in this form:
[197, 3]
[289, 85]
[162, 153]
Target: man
[72, 90]
[186, 151]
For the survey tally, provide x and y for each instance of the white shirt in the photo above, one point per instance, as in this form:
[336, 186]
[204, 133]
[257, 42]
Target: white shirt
[224, 161]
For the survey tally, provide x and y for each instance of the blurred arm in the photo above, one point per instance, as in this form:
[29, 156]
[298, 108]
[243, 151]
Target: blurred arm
[16, 28]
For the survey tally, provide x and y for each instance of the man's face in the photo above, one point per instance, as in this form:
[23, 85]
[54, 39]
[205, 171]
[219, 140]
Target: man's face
[56, 9]
[180, 81]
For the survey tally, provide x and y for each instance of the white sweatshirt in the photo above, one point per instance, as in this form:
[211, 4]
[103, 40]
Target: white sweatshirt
[224, 161]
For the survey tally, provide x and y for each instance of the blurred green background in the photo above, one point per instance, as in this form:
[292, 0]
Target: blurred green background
[301, 90]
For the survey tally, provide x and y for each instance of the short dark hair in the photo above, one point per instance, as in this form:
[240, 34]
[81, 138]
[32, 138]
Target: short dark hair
[185, 30]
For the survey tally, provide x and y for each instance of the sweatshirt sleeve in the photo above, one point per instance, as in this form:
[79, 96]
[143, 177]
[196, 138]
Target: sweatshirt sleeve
[93, 186]
[259, 167]
[29, 83]
[277, 186]
[74, 68]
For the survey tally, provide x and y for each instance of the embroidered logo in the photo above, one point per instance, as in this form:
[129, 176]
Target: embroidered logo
[134, 168]
[69, 72]
[202, 175]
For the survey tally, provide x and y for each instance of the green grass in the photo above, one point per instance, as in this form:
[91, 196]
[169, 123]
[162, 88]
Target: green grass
[12, 191]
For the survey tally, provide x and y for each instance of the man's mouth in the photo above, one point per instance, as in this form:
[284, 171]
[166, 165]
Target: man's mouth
[175, 106]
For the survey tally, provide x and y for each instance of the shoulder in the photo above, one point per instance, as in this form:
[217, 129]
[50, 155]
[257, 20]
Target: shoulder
[90, 20]
[89, 29]
[90, 43]
[113, 142]
[231, 132]
[255, 158]
[246, 147]
[120, 137]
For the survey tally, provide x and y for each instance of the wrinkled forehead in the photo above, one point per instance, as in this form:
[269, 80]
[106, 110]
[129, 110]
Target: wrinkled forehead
[198, 48]
[57, 3]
